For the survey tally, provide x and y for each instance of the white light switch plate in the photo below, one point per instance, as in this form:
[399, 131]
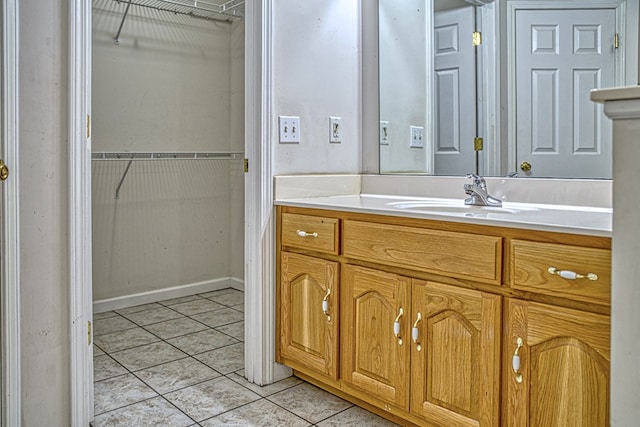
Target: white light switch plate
[289, 129]
[385, 128]
[417, 137]
[335, 129]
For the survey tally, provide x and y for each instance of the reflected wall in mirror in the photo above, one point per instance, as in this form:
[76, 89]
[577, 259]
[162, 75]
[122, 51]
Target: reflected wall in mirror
[516, 103]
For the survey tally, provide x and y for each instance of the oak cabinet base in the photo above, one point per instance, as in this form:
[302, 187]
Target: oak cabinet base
[434, 340]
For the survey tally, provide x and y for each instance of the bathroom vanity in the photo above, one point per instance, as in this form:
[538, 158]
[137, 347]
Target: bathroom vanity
[431, 313]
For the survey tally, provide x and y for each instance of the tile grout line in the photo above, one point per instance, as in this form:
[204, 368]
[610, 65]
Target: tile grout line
[228, 375]
[163, 395]
[299, 416]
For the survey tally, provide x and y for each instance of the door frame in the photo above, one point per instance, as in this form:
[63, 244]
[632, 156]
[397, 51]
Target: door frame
[259, 231]
[10, 242]
[626, 65]
[260, 366]
[79, 256]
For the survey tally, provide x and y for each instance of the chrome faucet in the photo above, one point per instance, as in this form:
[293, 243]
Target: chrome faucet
[478, 193]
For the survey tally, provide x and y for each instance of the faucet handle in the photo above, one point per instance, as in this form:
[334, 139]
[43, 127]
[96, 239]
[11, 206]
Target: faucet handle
[477, 179]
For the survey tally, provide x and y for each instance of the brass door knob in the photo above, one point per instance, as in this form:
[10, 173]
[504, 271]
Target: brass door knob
[525, 166]
[4, 171]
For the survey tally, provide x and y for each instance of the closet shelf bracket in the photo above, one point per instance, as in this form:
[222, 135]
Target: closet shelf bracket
[124, 175]
[116, 39]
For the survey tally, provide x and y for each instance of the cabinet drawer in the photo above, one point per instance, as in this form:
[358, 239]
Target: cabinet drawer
[531, 261]
[455, 254]
[310, 232]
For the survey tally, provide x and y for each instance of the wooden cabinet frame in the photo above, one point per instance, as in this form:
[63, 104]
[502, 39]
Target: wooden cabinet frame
[477, 312]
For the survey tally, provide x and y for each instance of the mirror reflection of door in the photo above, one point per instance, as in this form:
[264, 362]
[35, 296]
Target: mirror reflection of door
[560, 55]
[455, 91]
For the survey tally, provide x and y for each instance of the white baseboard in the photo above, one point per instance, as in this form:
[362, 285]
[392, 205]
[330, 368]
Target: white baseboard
[163, 294]
[237, 283]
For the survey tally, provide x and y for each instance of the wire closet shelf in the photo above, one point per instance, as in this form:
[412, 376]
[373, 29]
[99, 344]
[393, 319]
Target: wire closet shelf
[225, 10]
[148, 156]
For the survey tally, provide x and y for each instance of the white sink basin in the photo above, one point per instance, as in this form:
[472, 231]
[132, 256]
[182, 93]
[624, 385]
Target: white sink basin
[450, 206]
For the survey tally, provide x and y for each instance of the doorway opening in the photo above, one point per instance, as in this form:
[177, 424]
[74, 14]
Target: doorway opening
[167, 191]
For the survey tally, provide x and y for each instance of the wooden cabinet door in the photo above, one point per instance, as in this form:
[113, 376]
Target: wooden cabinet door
[375, 363]
[308, 336]
[563, 377]
[455, 363]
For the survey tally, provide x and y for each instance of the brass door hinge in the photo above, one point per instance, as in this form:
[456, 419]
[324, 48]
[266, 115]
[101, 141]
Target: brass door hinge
[616, 40]
[246, 165]
[4, 171]
[477, 38]
[478, 143]
[89, 333]
[88, 126]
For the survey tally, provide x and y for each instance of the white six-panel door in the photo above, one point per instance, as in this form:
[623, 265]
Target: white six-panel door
[560, 55]
[455, 91]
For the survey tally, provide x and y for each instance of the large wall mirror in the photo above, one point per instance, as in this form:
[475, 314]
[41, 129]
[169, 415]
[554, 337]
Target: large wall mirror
[501, 87]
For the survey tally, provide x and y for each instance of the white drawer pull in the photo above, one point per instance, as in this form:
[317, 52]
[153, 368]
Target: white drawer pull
[302, 233]
[396, 326]
[415, 332]
[572, 275]
[515, 360]
[325, 304]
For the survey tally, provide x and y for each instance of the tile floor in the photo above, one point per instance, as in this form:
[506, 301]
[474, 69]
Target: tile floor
[180, 363]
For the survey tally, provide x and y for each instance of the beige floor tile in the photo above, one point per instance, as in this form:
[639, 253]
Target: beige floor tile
[151, 412]
[120, 391]
[201, 305]
[148, 355]
[224, 360]
[97, 351]
[154, 315]
[218, 292]
[239, 307]
[111, 324]
[175, 328]
[255, 414]
[221, 317]
[137, 308]
[104, 315]
[309, 402]
[172, 301]
[122, 340]
[356, 417]
[211, 398]
[202, 341]
[228, 298]
[266, 390]
[105, 367]
[176, 375]
[235, 330]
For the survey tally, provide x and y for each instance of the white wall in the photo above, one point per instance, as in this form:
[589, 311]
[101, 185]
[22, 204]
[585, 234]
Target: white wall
[316, 74]
[44, 275]
[173, 83]
[403, 101]
[165, 87]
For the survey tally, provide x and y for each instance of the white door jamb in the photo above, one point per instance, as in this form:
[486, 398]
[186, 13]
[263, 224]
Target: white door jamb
[80, 285]
[10, 266]
[260, 365]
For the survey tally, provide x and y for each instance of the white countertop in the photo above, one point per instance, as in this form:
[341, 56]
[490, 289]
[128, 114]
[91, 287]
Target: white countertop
[594, 221]
[615, 94]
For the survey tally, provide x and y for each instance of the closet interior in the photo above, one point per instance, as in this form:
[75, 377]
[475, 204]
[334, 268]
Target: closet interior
[167, 149]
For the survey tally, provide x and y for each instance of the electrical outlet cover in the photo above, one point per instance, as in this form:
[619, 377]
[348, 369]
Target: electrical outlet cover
[289, 129]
